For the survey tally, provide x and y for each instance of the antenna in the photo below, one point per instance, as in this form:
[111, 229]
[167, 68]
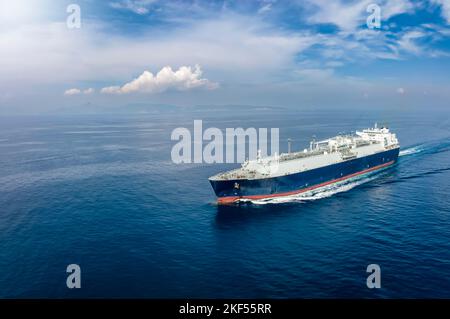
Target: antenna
[289, 140]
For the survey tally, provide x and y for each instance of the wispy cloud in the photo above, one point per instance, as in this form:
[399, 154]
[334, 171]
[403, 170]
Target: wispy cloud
[185, 78]
[232, 44]
[445, 9]
[349, 15]
[260, 45]
[266, 6]
[391, 8]
[137, 6]
[408, 41]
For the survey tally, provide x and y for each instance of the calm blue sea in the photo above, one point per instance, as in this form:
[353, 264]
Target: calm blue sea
[101, 191]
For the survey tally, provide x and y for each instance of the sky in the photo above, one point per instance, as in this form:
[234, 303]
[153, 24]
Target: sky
[280, 53]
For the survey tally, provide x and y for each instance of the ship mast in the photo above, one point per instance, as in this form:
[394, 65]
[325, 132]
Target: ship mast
[313, 141]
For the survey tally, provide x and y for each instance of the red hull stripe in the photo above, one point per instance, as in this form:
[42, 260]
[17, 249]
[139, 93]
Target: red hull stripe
[231, 199]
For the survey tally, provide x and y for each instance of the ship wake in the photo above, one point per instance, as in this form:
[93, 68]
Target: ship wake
[427, 148]
[411, 150]
[319, 193]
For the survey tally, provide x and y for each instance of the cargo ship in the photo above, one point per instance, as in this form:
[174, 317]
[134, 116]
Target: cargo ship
[325, 162]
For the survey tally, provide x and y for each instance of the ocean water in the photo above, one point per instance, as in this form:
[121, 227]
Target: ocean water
[102, 192]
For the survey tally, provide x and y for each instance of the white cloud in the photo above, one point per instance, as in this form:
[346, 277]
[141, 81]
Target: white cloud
[76, 91]
[111, 89]
[185, 78]
[73, 91]
[401, 91]
[137, 6]
[240, 50]
[265, 8]
[230, 46]
[348, 16]
[408, 41]
[445, 8]
[392, 8]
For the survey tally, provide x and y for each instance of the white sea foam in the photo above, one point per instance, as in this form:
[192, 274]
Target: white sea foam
[411, 150]
[319, 193]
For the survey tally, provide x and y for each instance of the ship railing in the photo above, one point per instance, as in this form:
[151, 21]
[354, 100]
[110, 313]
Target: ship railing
[360, 143]
[292, 156]
[347, 154]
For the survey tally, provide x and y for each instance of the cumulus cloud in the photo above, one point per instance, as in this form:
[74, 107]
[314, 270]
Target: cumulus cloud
[110, 89]
[185, 78]
[73, 91]
[76, 91]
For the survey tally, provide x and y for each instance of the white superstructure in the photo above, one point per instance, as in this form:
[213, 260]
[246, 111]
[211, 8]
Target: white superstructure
[320, 153]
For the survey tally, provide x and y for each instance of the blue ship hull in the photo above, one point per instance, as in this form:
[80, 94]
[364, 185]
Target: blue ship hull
[227, 192]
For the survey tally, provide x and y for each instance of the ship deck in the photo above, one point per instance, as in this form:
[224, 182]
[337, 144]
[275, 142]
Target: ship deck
[244, 172]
